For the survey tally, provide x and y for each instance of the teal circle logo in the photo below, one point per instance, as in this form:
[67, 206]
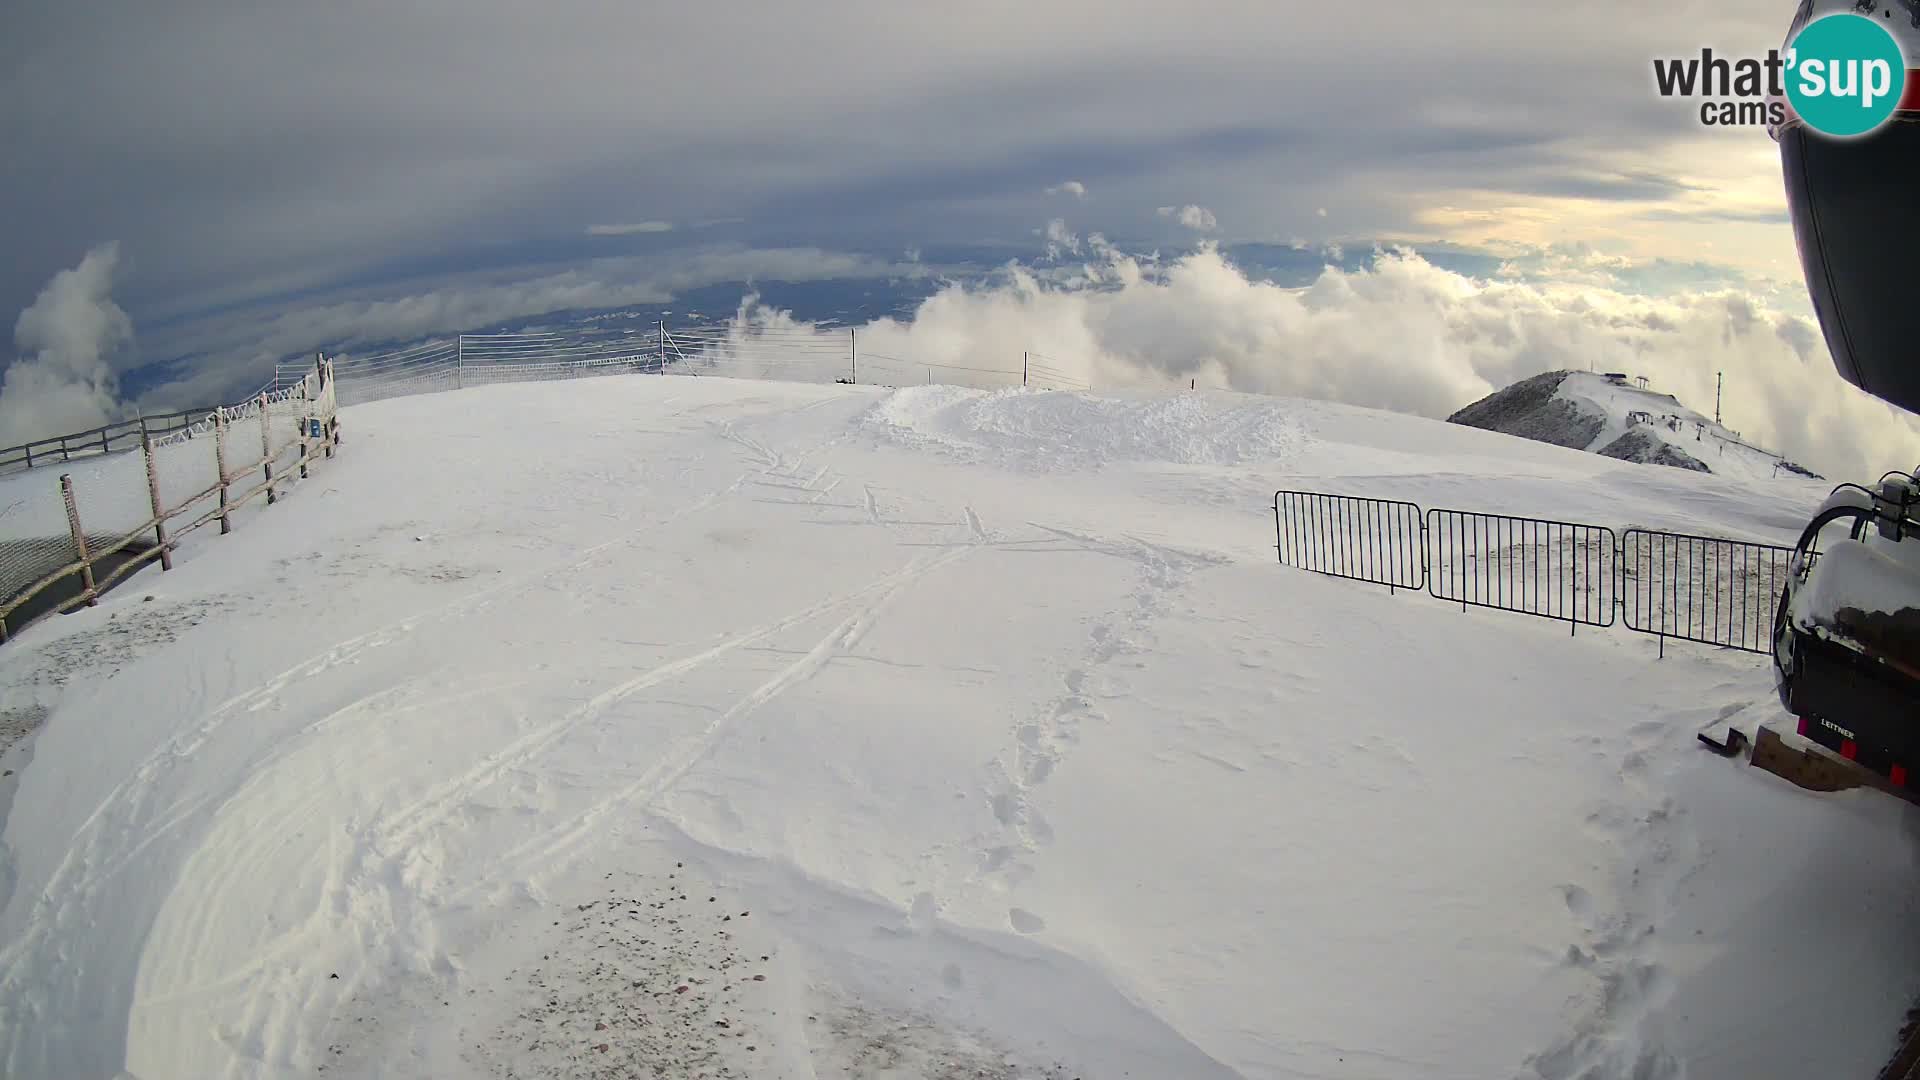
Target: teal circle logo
[1845, 75]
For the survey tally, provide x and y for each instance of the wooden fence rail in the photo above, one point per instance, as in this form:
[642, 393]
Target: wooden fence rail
[123, 435]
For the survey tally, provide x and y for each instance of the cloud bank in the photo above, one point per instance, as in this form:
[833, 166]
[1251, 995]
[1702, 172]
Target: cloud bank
[63, 379]
[1412, 337]
[244, 348]
[1401, 334]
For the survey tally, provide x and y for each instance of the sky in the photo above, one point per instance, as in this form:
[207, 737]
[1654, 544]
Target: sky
[225, 183]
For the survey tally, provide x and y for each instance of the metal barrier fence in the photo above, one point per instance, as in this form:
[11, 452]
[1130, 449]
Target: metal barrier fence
[1702, 588]
[1669, 585]
[1374, 540]
[1554, 569]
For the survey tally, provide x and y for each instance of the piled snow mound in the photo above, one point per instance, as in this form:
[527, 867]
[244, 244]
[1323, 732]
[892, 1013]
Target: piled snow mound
[1056, 430]
[1608, 416]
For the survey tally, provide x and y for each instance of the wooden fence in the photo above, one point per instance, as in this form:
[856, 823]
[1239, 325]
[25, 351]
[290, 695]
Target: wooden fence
[300, 418]
[122, 436]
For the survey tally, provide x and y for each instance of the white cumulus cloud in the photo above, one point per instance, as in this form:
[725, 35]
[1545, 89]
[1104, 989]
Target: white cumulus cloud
[1198, 218]
[63, 380]
[1061, 240]
[1070, 187]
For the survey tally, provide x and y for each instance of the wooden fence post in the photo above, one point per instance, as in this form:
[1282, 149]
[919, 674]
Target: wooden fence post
[153, 500]
[220, 462]
[79, 538]
[266, 449]
[332, 392]
[104, 447]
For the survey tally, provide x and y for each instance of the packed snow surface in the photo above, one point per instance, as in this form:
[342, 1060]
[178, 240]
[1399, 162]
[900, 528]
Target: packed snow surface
[681, 727]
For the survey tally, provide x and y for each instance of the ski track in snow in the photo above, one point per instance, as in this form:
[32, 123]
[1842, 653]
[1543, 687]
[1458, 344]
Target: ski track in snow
[132, 794]
[390, 848]
[92, 860]
[515, 829]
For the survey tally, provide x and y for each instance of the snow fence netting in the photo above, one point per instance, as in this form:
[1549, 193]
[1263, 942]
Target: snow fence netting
[113, 502]
[34, 538]
[186, 468]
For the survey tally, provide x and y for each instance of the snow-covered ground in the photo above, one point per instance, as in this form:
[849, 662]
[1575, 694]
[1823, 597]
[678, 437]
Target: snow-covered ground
[683, 727]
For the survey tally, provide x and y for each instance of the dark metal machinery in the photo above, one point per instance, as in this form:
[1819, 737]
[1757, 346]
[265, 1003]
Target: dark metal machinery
[1852, 676]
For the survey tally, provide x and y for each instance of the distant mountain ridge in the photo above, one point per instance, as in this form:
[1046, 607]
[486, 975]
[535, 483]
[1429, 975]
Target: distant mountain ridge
[1607, 415]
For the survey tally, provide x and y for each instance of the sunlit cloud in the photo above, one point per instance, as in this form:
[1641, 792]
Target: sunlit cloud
[630, 229]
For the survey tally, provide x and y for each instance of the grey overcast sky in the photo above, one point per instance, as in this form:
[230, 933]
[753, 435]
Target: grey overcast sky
[254, 162]
[239, 150]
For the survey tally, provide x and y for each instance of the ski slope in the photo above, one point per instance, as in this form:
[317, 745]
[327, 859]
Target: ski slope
[682, 727]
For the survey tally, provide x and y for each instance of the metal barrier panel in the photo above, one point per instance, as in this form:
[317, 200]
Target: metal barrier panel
[1373, 540]
[1554, 569]
[1702, 588]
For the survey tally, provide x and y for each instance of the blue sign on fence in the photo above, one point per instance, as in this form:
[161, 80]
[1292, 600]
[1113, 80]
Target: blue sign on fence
[313, 428]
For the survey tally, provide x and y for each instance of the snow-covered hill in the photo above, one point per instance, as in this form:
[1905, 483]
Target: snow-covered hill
[1613, 418]
[756, 729]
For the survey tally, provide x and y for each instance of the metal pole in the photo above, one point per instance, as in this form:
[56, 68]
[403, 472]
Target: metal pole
[220, 462]
[663, 346]
[266, 449]
[1719, 382]
[1024, 357]
[459, 348]
[153, 500]
[853, 352]
[79, 538]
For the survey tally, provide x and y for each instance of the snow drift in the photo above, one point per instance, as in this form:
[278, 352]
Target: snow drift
[793, 731]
